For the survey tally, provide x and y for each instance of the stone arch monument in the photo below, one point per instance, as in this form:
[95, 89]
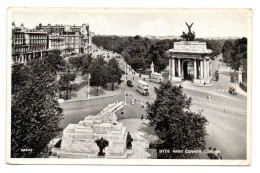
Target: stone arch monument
[193, 55]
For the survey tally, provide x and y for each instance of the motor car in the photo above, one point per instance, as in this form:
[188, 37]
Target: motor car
[129, 83]
[232, 91]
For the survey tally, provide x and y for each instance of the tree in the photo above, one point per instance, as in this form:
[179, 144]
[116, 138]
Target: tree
[55, 61]
[227, 51]
[177, 127]
[35, 112]
[239, 54]
[64, 82]
[136, 50]
[214, 44]
[76, 62]
[114, 72]
[86, 61]
[19, 76]
[98, 72]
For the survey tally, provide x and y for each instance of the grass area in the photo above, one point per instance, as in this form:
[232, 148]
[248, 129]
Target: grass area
[81, 85]
[131, 111]
[95, 92]
[109, 87]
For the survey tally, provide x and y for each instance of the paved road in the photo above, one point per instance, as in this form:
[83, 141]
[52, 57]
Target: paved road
[225, 113]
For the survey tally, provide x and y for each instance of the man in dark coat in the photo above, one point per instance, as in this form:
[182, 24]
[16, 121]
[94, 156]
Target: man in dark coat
[101, 143]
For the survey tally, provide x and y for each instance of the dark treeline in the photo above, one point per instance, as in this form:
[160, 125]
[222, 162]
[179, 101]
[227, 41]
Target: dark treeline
[139, 52]
[235, 53]
[214, 45]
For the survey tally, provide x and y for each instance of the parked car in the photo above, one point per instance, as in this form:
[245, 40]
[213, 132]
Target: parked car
[232, 91]
[129, 83]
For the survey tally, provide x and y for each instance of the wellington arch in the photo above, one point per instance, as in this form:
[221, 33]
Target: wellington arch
[190, 60]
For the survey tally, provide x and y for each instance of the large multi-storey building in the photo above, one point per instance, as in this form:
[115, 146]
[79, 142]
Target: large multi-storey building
[67, 38]
[56, 42]
[34, 43]
[28, 43]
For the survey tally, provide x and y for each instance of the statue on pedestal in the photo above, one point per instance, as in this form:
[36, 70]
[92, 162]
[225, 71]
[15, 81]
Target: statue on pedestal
[101, 143]
[129, 141]
[190, 36]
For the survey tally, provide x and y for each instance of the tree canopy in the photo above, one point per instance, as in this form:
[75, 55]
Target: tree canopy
[114, 72]
[86, 61]
[235, 53]
[227, 51]
[137, 51]
[140, 52]
[98, 72]
[35, 112]
[64, 82]
[177, 127]
[55, 62]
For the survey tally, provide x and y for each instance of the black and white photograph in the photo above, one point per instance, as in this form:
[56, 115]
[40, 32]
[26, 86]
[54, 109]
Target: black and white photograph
[129, 86]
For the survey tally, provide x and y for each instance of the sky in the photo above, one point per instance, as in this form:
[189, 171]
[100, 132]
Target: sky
[158, 22]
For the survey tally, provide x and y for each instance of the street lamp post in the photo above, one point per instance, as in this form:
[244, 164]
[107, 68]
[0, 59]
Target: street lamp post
[125, 71]
[88, 83]
[125, 97]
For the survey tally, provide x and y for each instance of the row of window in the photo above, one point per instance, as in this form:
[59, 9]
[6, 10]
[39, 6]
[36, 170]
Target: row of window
[18, 35]
[37, 41]
[38, 36]
[28, 49]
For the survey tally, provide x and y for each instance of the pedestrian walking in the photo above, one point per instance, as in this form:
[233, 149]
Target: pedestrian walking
[133, 102]
[208, 98]
[142, 116]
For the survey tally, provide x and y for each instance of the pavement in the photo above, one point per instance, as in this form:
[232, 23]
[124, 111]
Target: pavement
[141, 134]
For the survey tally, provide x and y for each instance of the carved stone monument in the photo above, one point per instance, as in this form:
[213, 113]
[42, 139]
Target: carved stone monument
[79, 140]
[190, 60]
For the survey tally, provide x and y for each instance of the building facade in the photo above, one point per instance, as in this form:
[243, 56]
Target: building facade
[69, 39]
[56, 42]
[28, 44]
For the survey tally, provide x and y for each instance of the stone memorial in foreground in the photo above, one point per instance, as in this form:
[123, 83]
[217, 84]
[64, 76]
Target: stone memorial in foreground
[78, 140]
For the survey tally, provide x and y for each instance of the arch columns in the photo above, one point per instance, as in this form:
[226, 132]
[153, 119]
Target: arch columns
[204, 68]
[173, 67]
[195, 69]
[201, 69]
[207, 66]
[179, 67]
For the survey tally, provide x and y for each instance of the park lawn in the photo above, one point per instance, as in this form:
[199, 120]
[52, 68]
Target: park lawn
[131, 111]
